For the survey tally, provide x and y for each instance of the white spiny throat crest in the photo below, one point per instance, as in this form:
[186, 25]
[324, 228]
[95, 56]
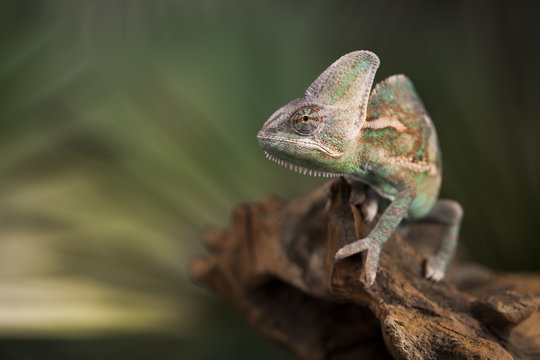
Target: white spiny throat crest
[298, 168]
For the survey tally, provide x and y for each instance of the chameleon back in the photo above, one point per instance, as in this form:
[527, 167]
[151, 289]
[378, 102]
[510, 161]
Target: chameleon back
[398, 123]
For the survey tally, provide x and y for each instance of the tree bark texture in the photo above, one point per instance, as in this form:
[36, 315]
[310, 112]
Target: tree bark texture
[275, 263]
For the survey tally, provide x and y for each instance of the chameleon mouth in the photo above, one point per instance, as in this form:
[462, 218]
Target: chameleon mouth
[298, 168]
[304, 142]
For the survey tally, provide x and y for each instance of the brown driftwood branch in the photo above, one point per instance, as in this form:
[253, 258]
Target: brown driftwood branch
[276, 265]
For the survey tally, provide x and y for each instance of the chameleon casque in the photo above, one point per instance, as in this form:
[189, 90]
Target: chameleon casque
[383, 138]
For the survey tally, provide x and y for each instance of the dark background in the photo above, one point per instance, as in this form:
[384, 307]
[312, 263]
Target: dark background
[127, 126]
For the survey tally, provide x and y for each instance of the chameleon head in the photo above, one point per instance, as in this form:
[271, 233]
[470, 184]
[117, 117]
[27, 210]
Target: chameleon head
[305, 137]
[317, 133]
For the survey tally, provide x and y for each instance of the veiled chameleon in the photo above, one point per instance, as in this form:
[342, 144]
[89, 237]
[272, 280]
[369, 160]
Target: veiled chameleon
[383, 137]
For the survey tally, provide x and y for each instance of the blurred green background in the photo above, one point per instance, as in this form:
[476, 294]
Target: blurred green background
[127, 126]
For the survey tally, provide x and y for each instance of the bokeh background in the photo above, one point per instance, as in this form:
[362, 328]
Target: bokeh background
[128, 126]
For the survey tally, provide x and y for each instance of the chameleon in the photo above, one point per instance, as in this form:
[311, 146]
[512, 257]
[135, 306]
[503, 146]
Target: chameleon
[382, 137]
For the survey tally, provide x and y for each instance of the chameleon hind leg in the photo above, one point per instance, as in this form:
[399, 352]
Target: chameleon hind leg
[449, 214]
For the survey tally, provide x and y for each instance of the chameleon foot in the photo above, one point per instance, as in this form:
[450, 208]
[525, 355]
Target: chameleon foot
[369, 209]
[435, 268]
[373, 250]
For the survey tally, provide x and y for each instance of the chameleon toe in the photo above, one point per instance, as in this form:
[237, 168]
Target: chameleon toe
[432, 272]
[346, 251]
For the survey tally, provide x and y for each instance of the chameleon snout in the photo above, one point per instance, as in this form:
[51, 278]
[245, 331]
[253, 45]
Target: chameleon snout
[261, 139]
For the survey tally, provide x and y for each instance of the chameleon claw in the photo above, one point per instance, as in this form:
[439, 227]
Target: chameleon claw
[434, 269]
[373, 250]
[369, 209]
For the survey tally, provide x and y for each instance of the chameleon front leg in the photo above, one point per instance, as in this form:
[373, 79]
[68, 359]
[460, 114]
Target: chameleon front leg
[385, 227]
[370, 205]
[365, 197]
[448, 213]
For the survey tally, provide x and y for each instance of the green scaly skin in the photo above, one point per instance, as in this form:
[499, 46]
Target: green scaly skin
[382, 137]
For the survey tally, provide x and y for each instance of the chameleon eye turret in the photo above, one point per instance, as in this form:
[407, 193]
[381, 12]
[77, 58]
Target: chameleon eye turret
[305, 121]
[382, 137]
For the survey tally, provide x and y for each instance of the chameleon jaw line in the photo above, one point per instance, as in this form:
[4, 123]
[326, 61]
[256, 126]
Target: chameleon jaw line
[308, 143]
[298, 168]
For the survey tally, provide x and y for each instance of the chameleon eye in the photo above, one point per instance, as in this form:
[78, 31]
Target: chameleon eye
[305, 121]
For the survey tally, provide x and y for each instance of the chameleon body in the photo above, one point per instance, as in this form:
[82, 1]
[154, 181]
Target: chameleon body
[383, 137]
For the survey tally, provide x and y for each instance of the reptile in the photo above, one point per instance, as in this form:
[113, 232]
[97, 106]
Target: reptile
[382, 137]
